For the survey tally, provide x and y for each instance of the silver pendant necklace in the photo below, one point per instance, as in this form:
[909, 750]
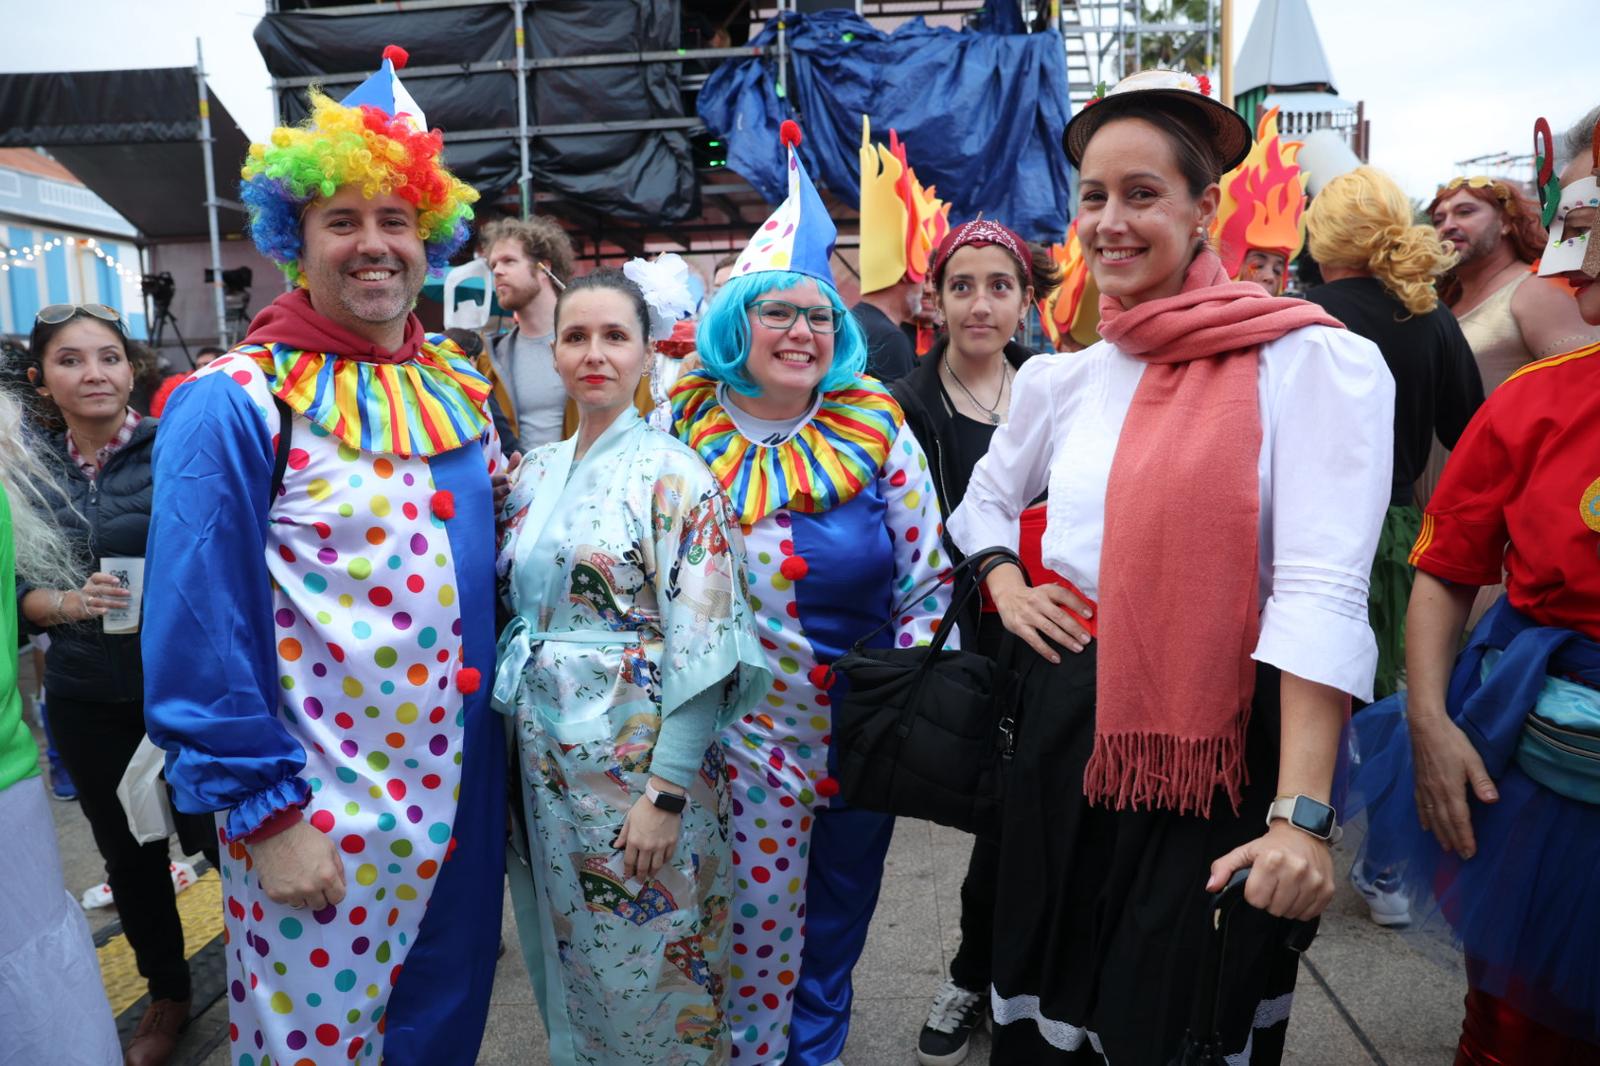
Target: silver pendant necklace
[991, 411]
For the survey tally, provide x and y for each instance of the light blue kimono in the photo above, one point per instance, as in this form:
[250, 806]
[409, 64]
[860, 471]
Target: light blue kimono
[633, 631]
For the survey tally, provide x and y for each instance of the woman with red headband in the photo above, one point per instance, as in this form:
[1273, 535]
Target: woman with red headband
[985, 280]
[1194, 499]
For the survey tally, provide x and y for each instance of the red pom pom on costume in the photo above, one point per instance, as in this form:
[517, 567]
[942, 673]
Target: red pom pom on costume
[468, 680]
[789, 133]
[828, 787]
[444, 505]
[397, 55]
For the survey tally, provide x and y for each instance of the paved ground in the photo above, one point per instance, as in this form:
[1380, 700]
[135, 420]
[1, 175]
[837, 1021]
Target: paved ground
[1365, 995]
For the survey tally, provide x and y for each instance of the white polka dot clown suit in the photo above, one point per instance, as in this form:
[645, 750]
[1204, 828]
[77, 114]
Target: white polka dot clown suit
[840, 521]
[326, 657]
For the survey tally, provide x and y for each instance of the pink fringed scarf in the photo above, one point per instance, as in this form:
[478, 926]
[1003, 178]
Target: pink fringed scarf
[1178, 568]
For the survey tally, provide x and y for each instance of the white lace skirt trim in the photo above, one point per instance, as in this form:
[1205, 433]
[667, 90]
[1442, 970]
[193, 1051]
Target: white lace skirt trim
[1069, 1037]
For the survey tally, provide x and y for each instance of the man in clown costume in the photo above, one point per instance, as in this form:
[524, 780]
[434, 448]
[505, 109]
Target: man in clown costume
[319, 628]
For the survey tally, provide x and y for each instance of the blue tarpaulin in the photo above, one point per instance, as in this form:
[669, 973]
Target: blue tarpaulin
[981, 113]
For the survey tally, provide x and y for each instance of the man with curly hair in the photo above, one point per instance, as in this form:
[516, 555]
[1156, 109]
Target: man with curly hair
[319, 635]
[531, 259]
[1509, 317]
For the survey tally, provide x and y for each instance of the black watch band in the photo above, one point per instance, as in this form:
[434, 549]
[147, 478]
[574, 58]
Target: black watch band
[665, 801]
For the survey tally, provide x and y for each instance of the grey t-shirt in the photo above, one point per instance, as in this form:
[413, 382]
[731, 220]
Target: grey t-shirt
[527, 366]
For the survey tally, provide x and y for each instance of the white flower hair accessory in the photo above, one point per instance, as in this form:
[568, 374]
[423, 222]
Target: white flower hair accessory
[665, 285]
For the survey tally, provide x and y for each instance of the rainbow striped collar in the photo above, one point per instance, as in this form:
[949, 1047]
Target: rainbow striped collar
[824, 464]
[431, 404]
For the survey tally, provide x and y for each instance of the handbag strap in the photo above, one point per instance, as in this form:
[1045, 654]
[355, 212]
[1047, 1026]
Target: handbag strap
[995, 557]
[977, 568]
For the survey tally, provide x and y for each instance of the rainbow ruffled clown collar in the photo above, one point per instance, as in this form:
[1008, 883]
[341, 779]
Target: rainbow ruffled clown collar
[822, 465]
[430, 404]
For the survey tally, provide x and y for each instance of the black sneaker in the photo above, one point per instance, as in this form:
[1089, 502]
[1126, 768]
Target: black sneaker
[955, 1013]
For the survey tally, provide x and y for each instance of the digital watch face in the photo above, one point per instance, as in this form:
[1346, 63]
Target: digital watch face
[1313, 817]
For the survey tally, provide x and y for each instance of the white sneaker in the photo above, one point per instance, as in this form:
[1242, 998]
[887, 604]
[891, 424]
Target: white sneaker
[95, 898]
[952, 1018]
[1388, 905]
[183, 876]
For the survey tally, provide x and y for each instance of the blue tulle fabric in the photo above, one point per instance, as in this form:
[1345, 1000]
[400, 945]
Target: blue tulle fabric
[1526, 907]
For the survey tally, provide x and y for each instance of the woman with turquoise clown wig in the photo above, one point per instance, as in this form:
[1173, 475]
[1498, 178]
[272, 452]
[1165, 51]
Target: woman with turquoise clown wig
[842, 521]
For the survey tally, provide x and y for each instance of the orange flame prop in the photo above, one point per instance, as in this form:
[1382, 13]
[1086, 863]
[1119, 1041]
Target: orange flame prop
[1066, 312]
[928, 217]
[901, 222]
[1263, 200]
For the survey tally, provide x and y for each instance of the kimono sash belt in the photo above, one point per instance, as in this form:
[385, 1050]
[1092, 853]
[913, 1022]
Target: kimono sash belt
[516, 647]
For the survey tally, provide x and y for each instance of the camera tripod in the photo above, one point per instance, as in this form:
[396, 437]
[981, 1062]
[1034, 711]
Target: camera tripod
[164, 315]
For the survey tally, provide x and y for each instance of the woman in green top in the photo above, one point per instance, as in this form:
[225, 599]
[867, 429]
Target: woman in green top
[52, 1004]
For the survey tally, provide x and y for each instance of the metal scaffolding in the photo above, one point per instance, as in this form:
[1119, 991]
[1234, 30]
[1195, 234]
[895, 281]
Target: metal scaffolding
[1107, 40]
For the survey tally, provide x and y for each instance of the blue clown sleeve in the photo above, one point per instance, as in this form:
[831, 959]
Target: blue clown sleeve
[209, 659]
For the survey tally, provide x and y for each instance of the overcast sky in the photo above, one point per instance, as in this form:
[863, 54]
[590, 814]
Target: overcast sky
[1443, 80]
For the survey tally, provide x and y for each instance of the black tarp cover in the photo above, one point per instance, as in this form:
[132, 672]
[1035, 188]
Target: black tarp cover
[132, 137]
[646, 176]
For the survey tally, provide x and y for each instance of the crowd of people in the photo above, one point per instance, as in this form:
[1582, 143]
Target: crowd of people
[425, 613]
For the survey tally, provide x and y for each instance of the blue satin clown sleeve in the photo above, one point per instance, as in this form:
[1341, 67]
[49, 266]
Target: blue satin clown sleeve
[210, 662]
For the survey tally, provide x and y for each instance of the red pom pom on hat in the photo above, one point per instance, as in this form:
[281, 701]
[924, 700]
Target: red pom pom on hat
[397, 55]
[789, 133]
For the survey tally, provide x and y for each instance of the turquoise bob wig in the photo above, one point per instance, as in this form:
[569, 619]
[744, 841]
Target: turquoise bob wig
[723, 339]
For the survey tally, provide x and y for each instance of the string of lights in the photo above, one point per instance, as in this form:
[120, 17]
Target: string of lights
[29, 253]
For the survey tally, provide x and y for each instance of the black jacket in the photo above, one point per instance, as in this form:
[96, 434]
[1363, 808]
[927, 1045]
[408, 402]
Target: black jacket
[109, 516]
[931, 417]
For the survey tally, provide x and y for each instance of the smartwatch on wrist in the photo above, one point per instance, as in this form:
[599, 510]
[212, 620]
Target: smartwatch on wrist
[1307, 815]
[665, 801]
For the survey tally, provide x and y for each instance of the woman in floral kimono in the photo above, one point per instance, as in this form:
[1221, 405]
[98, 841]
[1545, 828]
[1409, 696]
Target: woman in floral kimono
[632, 646]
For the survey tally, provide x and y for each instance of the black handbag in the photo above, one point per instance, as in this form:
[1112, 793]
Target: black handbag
[927, 732]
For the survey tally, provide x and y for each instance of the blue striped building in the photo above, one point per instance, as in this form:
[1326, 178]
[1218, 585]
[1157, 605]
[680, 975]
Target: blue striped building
[60, 243]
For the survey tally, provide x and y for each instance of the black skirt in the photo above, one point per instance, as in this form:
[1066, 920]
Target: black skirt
[1102, 920]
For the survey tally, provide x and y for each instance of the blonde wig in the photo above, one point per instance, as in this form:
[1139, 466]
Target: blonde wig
[1362, 221]
[44, 557]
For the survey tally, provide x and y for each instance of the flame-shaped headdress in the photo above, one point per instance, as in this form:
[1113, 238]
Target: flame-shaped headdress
[1074, 308]
[1263, 200]
[901, 222]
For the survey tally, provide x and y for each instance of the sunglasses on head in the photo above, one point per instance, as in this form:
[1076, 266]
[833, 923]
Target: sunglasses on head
[55, 314]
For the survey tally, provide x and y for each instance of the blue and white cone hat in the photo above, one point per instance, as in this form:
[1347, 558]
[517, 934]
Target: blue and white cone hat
[799, 236]
[383, 91]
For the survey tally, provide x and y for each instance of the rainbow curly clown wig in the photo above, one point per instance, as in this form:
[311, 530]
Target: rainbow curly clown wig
[356, 142]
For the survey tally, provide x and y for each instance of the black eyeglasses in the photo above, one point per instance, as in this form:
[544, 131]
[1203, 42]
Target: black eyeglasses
[781, 314]
[55, 314]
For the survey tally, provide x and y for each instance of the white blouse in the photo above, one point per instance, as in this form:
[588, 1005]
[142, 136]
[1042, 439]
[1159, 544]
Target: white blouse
[1327, 453]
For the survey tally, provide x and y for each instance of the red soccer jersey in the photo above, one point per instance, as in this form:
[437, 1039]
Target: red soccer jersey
[1522, 492]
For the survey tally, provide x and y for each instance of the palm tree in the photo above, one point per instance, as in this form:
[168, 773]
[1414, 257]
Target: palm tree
[1174, 51]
